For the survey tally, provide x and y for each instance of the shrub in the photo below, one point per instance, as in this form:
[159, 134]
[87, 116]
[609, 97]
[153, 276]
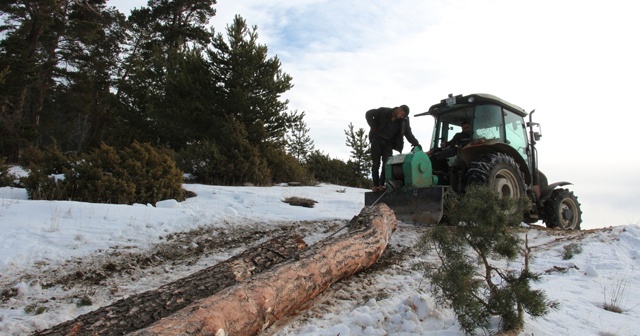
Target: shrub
[50, 159]
[153, 173]
[34, 309]
[286, 168]
[325, 169]
[42, 186]
[6, 179]
[244, 164]
[136, 174]
[210, 163]
[84, 301]
[201, 161]
[466, 279]
[99, 177]
[571, 250]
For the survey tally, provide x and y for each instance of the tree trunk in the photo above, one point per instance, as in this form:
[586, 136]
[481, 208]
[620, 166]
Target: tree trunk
[253, 305]
[141, 310]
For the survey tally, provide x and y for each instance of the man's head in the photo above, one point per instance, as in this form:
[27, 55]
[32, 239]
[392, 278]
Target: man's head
[466, 127]
[401, 112]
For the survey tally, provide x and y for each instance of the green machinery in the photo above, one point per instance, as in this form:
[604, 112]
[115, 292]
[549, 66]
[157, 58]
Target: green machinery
[501, 154]
[412, 190]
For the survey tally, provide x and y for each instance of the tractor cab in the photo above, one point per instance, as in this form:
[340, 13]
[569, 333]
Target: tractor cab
[496, 125]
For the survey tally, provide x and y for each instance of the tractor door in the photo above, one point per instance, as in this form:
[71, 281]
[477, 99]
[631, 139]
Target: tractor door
[447, 125]
[516, 133]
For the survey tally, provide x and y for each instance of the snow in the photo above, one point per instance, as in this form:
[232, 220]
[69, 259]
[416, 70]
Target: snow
[50, 236]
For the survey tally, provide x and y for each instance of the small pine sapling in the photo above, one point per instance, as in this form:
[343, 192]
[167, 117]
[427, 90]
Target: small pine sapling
[483, 231]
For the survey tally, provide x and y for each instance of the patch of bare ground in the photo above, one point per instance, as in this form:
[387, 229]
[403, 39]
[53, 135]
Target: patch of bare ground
[108, 275]
[562, 236]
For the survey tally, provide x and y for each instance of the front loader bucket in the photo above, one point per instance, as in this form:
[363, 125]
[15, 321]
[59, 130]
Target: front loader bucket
[412, 205]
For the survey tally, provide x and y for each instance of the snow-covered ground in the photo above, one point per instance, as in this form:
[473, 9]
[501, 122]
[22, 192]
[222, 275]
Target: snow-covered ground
[51, 254]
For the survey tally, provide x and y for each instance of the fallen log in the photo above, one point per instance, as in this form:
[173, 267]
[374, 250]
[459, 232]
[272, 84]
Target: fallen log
[138, 311]
[256, 303]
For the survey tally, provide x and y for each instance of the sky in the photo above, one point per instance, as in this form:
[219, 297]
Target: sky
[573, 62]
[46, 240]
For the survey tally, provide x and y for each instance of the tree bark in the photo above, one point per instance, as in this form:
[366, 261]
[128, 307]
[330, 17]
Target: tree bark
[256, 303]
[141, 310]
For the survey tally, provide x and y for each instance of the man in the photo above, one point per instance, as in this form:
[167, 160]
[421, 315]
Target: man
[460, 137]
[389, 126]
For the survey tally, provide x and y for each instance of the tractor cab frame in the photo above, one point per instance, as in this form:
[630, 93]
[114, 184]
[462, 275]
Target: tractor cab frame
[497, 126]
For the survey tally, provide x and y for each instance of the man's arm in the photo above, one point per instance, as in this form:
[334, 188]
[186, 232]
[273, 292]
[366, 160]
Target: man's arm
[409, 135]
[455, 141]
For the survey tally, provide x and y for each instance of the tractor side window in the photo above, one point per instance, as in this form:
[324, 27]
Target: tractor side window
[449, 124]
[488, 122]
[445, 131]
[516, 133]
[453, 130]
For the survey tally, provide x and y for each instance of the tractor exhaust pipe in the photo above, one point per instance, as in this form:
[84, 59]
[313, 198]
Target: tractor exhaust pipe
[533, 137]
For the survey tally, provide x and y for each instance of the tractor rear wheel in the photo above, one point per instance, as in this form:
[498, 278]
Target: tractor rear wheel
[562, 210]
[500, 173]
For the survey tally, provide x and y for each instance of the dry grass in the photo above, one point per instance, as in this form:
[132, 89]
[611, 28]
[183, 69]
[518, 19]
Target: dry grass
[300, 201]
[617, 294]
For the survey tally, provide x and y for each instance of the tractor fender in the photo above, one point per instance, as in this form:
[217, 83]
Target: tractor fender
[548, 190]
[477, 148]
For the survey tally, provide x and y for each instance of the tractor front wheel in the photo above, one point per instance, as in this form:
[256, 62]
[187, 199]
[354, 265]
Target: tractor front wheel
[562, 210]
[499, 172]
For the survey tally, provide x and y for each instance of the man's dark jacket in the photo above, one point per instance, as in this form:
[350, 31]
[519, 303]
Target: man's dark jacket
[380, 122]
[458, 138]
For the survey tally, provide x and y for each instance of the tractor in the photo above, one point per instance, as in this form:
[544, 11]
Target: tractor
[499, 152]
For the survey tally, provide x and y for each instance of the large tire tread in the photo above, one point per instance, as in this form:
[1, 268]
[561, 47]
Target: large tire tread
[480, 171]
[553, 207]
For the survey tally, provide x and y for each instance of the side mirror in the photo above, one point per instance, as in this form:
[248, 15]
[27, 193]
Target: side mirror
[537, 136]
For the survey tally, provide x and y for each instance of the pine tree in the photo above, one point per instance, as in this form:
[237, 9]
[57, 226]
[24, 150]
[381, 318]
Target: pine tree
[360, 150]
[55, 53]
[251, 83]
[165, 87]
[167, 25]
[31, 33]
[298, 143]
[467, 277]
[249, 86]
[80, 107]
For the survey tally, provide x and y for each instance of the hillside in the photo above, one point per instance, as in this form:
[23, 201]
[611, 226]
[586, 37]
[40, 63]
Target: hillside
[56, 256]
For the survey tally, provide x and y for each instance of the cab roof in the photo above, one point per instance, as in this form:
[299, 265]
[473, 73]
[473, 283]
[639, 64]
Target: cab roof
[457, 102]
